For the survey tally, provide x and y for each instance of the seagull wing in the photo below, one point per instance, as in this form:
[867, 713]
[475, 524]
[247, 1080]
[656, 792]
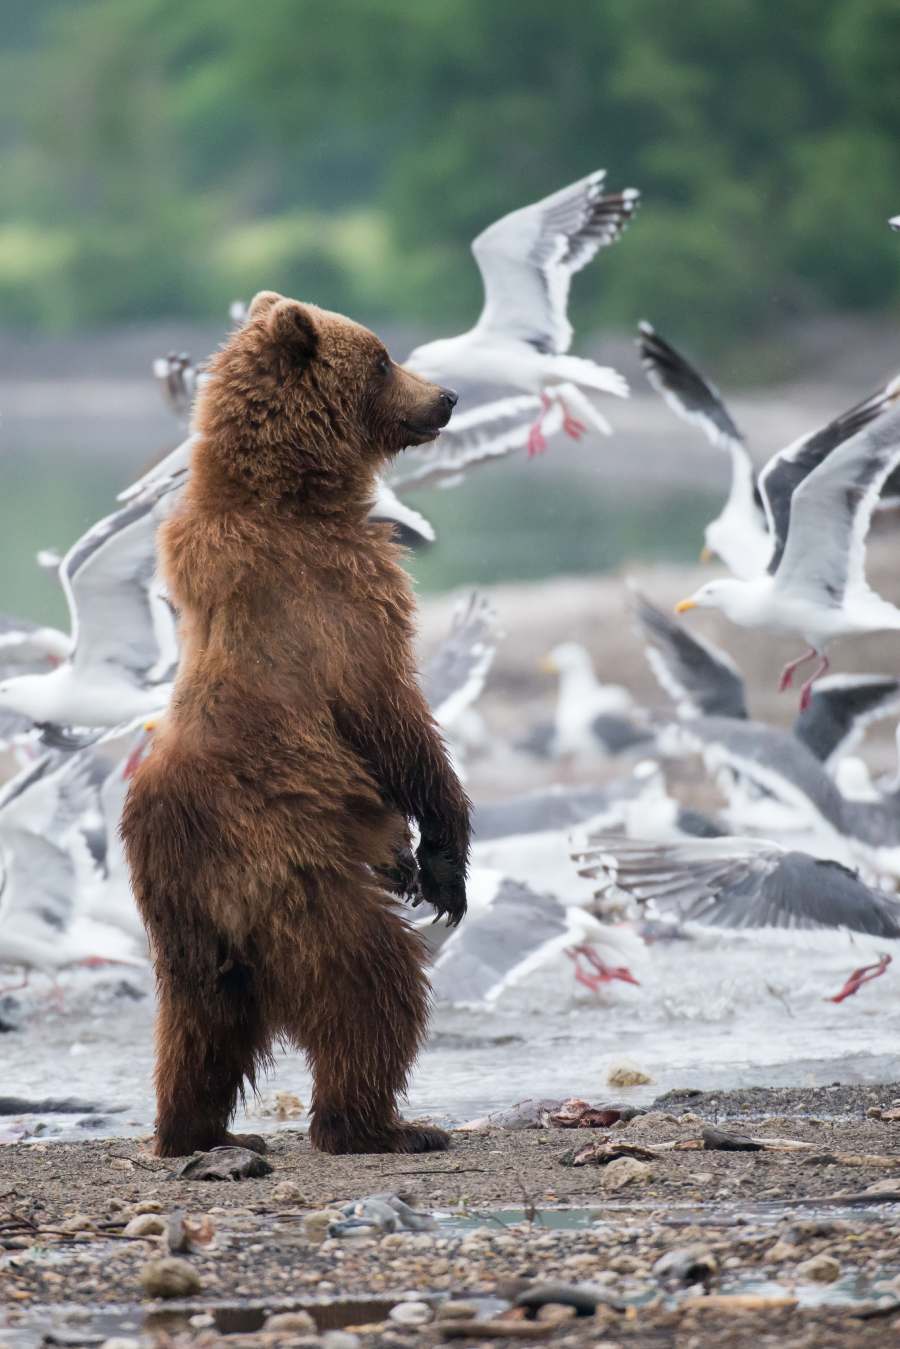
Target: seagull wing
[109, 579]
[830, 513]
[527, 259]
[741, 883]
[840, 709]
[410, 527]
[700, 679]
[499, 945]
[691, 397]
[164, 477]
[454, 677]
[789, 467]
[38, 896]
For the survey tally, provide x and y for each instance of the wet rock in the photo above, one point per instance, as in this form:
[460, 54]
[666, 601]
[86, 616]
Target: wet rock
[285, 1321]
[224, 1164]
[716, 1140]
[169, 1277]
[627, 1074]
[819, 1269]
[582, 1297]
[411, 1314]
[625, 1171]
[687, 1265]
[146, 1225]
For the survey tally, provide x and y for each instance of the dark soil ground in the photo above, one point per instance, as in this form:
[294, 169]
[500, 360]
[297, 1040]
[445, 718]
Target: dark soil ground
[751, 1222]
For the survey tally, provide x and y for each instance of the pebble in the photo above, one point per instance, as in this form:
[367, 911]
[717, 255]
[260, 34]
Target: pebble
[148, 1206]
[287, 1192]
[411, 1314]
[819, 1269]
[146, 1224]
[687, 1264]
[557, 1312]
[783, 1250]
[624, 1171]
[169, 1277]
[340, 1339]
[456, 1310]
[281, 1321]
[121, 1342]
[78, 1222]
[627, 1074]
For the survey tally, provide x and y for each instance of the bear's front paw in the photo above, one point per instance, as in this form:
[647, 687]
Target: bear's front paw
[442, 882]
[402, 878]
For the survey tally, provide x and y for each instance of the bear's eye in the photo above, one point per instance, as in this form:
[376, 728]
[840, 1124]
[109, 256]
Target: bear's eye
[384, 364]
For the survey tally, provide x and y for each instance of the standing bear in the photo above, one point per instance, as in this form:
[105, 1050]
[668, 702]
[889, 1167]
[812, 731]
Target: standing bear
[268, 828]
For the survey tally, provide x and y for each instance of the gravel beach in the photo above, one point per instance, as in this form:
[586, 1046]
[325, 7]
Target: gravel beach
[669, 1246]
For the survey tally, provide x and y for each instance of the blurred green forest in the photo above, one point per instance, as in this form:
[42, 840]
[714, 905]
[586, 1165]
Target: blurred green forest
[163, 157]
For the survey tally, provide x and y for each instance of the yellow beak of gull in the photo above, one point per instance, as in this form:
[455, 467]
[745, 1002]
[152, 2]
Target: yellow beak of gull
[707, 554]
[683, 605]
[547, 665]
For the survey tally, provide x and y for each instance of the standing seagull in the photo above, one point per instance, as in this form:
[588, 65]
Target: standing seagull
[527, 260]
[815, 584]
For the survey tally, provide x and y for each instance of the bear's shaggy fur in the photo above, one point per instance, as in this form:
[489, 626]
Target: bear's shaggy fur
[270, 820]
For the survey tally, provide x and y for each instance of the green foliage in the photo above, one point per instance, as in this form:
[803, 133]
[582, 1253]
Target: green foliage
[163, 158]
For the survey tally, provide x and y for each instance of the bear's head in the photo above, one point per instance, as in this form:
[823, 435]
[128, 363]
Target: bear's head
[300, 401]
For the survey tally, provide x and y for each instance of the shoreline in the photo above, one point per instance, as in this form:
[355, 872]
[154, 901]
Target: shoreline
[765, 1221]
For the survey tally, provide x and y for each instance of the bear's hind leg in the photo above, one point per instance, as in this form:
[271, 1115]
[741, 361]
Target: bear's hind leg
[209, 1044]
[361, 1018]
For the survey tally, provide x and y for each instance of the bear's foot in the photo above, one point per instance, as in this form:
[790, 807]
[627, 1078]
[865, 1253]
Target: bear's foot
[342, 1134]
[186, 1141]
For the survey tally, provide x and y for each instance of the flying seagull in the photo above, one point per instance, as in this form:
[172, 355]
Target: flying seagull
[815, 584]
[740, 883]
[527, 260]
[123, 648]
[742, 533]
[739, 534]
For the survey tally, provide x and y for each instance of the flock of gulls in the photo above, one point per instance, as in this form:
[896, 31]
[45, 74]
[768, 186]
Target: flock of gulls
[571, 881]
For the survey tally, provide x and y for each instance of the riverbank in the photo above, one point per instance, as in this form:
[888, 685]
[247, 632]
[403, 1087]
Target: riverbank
[809, 1233]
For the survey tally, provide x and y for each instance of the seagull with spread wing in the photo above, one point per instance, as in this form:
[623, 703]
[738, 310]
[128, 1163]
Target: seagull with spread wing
[527, 260]
[123, 645]
[739, 883]
[815, 584]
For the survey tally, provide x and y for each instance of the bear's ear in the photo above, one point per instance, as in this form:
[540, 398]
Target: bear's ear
[291, 324]
[262, 302]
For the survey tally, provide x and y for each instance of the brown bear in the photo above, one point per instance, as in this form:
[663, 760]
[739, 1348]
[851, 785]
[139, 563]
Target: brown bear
[268, 828]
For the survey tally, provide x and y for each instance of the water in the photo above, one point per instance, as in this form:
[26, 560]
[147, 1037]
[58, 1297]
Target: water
[726, 1013]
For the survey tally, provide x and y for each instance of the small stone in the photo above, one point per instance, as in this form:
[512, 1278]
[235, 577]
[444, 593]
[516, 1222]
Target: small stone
[169, 1277]
[79, 1222]
[287, 1192]
[146, 1225]
[819, 1269]
[148, 1206]
[290, 1321]
[687, 1264]
[411, 1314]
[340, 1339]
[556, 1312]
[457, 1310]
[627, 1074]
[874, 1112]
[624, 1171]
[582, 1298]
[121, 1342]
[783, 1250]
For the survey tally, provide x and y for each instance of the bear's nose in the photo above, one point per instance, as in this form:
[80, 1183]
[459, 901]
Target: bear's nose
[450, 398]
